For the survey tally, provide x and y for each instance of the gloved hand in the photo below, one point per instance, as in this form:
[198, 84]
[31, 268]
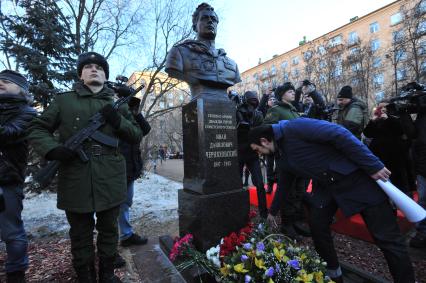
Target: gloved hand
[111, 116]
[61, 153]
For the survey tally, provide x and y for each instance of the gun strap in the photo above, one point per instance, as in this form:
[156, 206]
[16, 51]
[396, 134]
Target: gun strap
[105, 139]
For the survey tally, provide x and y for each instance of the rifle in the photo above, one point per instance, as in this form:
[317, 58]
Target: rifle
[46, 174]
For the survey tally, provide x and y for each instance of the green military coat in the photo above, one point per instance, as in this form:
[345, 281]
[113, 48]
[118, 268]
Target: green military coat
[281, 111]
[100, 183]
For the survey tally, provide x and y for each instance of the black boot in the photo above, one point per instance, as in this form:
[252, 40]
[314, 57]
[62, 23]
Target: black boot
[106, 270]
[86, 273]
[15, 277]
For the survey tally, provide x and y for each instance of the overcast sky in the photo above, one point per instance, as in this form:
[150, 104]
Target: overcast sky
[252, 29]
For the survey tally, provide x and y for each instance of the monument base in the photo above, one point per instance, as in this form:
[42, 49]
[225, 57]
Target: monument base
[211, 217]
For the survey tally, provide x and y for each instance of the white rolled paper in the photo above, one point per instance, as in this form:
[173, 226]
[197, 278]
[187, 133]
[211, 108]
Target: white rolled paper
[412, 211]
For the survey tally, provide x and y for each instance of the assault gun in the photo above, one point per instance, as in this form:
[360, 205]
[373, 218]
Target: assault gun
[46, 174]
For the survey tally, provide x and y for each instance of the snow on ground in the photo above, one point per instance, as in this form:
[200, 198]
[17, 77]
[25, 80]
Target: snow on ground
[154, 195]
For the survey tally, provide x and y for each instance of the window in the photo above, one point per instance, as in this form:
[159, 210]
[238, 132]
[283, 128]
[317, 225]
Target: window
[170, 104]
[401, 74]
[336, 40]
[396, 18]
[162, 105]
[321, 50]
[377, 62]
[354, 51]
[307, 55]
[255, 76]
[295, 60]
[422, 47]
[338, 70]
[400, 55]
[379, 96]
[353, 38]
[284, 65]
[264, 73]
[273, 70]
[355, 81]
[285, 77]
[421, 28]
[356, 67]
[308, 69]
[398, 36]
[374, 27]
[322, 78]
[295, 73]
[375, 45]
[378, 80]
[423, 67]
[322, 64]
[422, 6]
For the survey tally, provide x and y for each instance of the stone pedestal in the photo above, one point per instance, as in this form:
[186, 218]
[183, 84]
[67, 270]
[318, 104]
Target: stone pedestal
[212, 203]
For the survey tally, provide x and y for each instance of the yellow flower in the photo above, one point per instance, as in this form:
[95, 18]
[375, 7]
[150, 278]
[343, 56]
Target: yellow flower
[271, 281]
[302, 257]
[259, 263]
[240, 268]
[225, 270]
[319, 277]
[305, 278]
[279, 254]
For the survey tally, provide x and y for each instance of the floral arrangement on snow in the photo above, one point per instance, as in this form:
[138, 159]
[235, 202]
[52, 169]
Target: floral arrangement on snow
[253, 255]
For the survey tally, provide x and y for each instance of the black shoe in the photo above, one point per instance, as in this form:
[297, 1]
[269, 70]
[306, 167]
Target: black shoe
[419, 241]
[134, 240]
[106, 270]
[15, 277]
[289, 231]
[86, 273]
[302, 228]
[119, 262]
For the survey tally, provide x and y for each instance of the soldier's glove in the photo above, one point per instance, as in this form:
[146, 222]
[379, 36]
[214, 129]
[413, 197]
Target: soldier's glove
[61, 153]
[111, 116]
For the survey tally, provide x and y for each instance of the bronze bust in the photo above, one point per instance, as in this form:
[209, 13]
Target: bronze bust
[207, 70]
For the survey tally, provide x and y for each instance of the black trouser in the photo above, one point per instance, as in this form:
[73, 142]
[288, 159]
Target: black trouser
[81, 235]
[256, 176]
[246, 175]
[270, 173]
[381, 223]
[292, 208]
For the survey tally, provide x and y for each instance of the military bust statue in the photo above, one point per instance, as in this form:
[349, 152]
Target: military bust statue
[206, 69]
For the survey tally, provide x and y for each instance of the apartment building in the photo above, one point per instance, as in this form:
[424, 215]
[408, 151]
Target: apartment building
[376, 54]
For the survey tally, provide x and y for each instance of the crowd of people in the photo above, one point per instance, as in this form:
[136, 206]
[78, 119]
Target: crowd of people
[342, 151]
[289, 127]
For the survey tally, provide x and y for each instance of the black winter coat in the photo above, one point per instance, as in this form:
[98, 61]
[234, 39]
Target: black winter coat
[15, 116]
[388, 144]
[254, 118]
[132, 152]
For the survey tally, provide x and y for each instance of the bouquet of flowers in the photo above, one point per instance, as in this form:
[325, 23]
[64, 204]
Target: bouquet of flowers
[254, 255]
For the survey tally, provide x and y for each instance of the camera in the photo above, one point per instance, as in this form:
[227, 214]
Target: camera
[243, 114]
[120, 87]
[411, 100]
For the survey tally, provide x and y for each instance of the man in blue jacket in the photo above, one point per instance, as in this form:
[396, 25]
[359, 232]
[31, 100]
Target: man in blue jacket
[346, 171]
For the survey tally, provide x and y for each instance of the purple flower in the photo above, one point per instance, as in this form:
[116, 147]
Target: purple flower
[247, 279]
[270, 272]
[247, 246]
[244, 258]
[294, 263]
[260, 247]
[277, 267]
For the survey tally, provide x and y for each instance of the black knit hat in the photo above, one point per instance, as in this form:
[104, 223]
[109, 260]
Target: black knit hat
[15, 78]
[279, 91]
[92, 58]
[345, 92]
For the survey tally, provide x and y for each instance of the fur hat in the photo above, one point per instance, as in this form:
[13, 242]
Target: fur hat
[282, 89]
[92, 58]
[345, 92]
[15, 78]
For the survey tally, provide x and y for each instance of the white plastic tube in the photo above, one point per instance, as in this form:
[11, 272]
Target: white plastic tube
[412, 211]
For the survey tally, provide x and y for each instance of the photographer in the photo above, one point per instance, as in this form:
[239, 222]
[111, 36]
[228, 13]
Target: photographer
[387, 137]
[309, 101]
[247, 118]
[15, 116]
[413, 101]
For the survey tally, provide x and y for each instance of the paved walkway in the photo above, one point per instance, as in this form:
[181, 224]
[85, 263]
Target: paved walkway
[171, 169]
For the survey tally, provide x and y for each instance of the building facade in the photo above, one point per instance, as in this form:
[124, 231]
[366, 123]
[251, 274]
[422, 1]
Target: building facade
[376, 54]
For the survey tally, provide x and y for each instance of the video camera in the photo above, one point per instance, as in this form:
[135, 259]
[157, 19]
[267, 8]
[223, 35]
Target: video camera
[243, 115]
[411, 100]
[235, 97]
[120, 86]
